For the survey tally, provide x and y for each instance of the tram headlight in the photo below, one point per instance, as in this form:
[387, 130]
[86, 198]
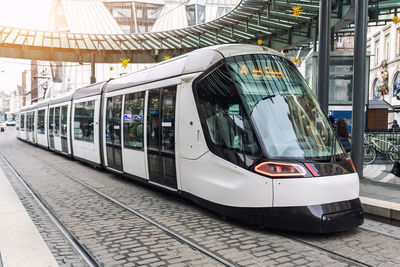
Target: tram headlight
[280, 169]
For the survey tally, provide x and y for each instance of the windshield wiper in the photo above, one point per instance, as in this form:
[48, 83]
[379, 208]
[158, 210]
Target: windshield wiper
[333, 155]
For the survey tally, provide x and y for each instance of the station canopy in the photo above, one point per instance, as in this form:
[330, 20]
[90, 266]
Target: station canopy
[279, 24]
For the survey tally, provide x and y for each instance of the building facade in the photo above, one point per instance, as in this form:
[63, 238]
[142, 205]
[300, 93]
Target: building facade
[383, 44]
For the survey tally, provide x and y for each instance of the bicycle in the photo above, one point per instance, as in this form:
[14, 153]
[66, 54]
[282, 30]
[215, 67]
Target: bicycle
[371, 149]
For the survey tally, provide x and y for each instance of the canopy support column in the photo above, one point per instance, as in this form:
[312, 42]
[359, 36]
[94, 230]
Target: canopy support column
[324, 34]
[93, 69]
[359, 85]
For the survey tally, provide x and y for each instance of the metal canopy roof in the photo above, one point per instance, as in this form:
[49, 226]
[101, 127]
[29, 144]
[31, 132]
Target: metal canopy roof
[252, 20]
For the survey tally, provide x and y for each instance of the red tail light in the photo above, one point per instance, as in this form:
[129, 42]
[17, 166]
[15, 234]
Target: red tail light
[352, 164]
[279, 169]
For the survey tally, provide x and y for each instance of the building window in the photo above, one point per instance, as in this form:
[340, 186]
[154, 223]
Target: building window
[375, 93]
[133, 120]
[83, 121]
[221, 10]
[40, 123]
[387, 47]
[396, 84]
[398, 42]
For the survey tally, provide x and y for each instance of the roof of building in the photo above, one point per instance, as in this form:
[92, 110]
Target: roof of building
[378, 104]
[89, 16]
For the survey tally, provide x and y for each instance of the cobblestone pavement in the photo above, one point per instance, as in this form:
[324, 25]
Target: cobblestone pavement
[116, 237]
[112, 235]
[64, 254]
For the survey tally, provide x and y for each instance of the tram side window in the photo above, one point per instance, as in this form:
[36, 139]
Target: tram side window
[17, 121]
[40, 123]
[225, 122]
[83, 121]
[133, 120]
[22, 124]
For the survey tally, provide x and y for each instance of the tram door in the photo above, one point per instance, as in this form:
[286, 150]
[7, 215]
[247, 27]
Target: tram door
[161, 136]
[113, 132]
[51, 127]
[64, 136]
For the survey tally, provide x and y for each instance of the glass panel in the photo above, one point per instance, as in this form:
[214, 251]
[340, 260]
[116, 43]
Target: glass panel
[201, 14]
[40, 124]
[57, 121]
[168, 121]
[168, 137]
[109, 118]
[153, 120]
[22, 124]
[83, 121]
[375, 89]
[282, 107]
[51, 121]
[396, 84]
[133, 120]
[64, 119]
[117, 119]
[110, 157]
[153, 134]
[228, 127]
[28, 122]
[191, 17]
[341, 80]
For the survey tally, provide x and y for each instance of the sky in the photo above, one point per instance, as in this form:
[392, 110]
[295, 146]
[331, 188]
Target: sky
[30, 14]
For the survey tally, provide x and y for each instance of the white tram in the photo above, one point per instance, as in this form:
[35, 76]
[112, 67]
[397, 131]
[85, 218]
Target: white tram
[232, 127]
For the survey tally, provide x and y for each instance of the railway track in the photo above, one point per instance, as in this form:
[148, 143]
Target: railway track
[92, 262]
[90, 259]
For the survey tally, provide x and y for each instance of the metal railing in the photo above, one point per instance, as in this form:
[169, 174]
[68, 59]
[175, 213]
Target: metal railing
[382, 139]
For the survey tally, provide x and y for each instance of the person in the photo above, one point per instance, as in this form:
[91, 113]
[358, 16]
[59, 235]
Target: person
[331, 120]
[347, 121]
[395, 126]
[343, 134]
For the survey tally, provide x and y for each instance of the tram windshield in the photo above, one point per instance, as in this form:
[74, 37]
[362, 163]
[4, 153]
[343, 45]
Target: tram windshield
[286, 115]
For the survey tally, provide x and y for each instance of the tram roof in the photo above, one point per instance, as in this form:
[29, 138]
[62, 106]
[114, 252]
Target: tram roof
[195, 61]
[90, 90]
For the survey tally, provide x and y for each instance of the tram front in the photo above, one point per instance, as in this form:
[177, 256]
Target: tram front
[258, 113]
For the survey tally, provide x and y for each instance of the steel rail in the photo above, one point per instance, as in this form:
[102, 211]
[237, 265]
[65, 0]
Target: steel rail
[208, 253]
[327, 251]
[379, 232]
[140, 215]
[87, 257]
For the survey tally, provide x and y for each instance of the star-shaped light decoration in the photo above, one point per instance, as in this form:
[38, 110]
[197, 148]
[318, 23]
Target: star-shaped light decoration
[296, 60]
[259, 42]
[167, 57]
[296, 11]
[125, 62]
[395, 19]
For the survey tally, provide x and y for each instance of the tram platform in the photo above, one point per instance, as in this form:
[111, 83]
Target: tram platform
[380, 192]
[20, 242]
